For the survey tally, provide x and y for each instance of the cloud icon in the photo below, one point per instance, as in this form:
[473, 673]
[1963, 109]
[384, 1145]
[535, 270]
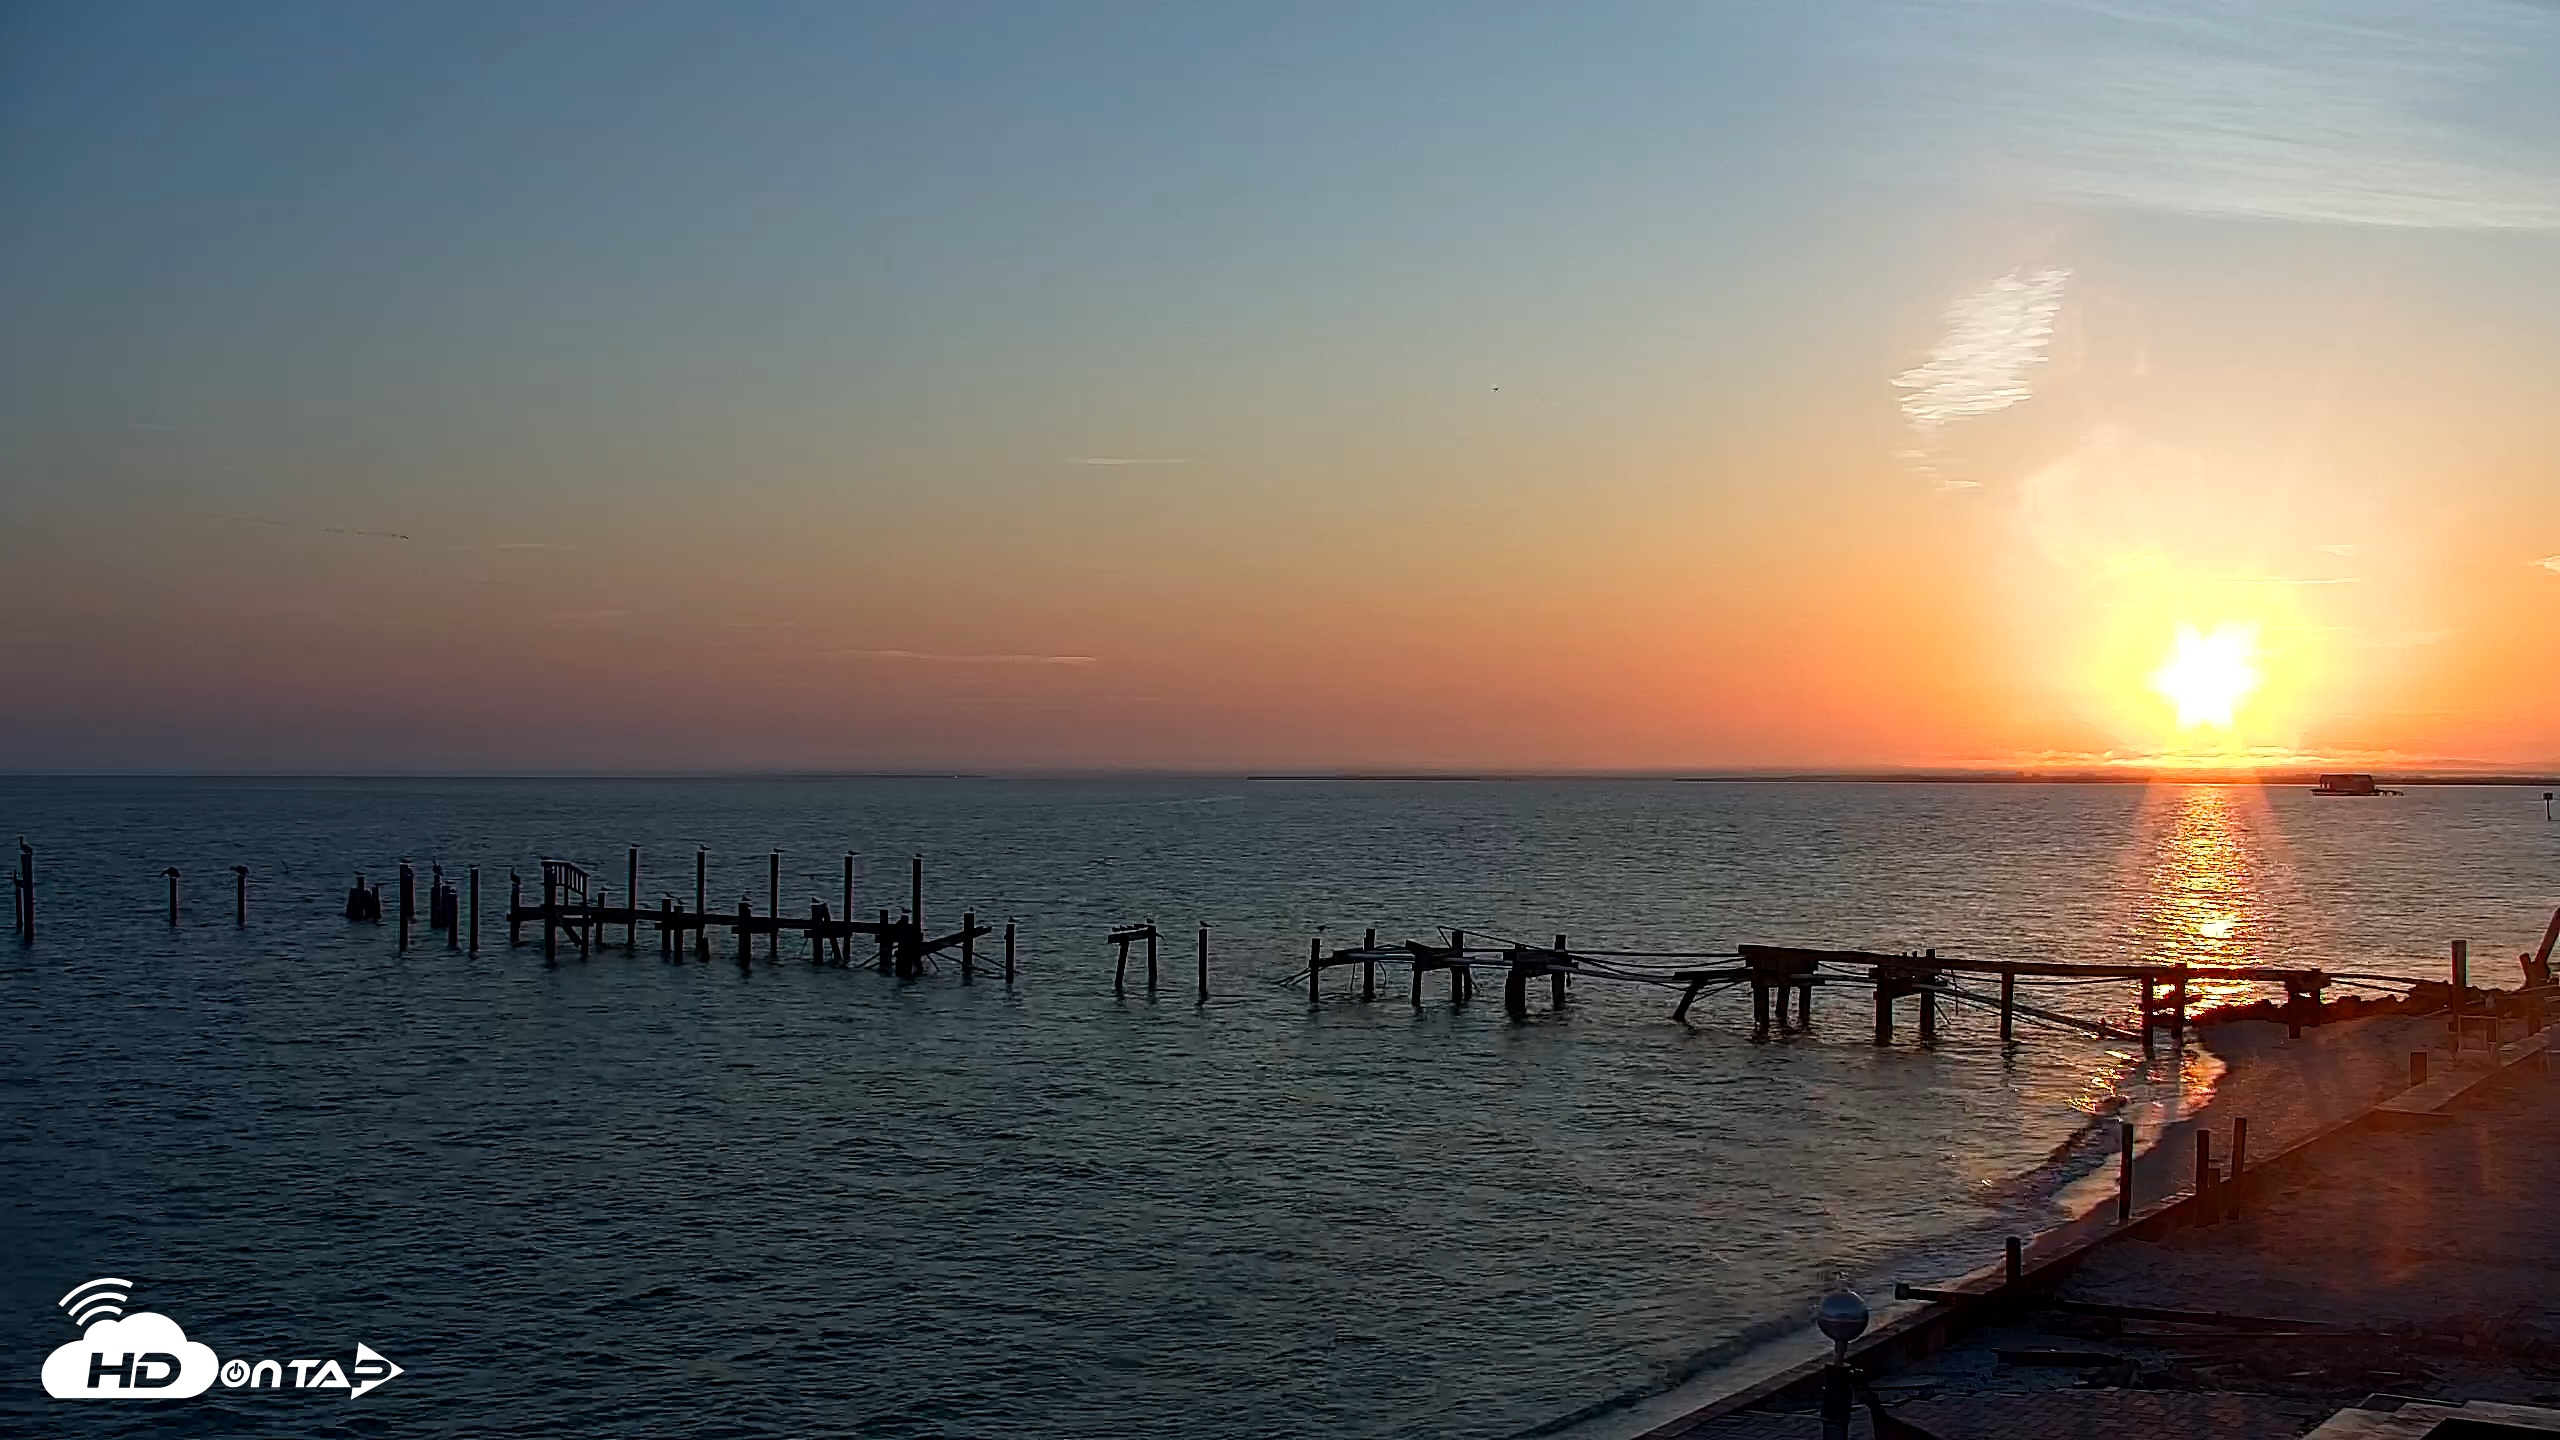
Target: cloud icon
[140, 1357]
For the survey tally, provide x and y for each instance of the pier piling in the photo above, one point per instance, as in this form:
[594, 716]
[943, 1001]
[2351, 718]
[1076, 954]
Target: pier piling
[969, 947]
[25, 891]
[844, 944]
[746, 928]
[1369, 968]
[172, 874]
[2008, 1007]
[2017, 1267]
[1151, 959]
[1556, 980]
[2124, 1171]
[1008, 952]
[915, 891]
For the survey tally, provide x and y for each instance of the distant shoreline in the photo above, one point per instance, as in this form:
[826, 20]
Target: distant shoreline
[2548, 780]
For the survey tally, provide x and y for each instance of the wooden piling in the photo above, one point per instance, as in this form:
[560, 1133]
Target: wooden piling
[968, 947]
[1008, 952]
[1204, 964]
[1555, 978]
[240, 897]
[1929, 1012]
[475, 909]
[2017, 1260]
[817, 932]
[746, 946]
[2150, 1008]
[1884, 1011]
[2124, 1171]
[1759, 1007]
[2239, 1162]
[2178, 1006]
[1315, 974]
[591, 934]
[2008, 1006]
[26, 892]
[1462, 981]
[172, 874]
[2461, 1002]
[1369, 968]
[408, 902]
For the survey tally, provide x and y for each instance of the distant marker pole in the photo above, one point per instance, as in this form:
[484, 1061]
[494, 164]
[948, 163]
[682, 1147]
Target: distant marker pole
[172, 873]
[240, 897]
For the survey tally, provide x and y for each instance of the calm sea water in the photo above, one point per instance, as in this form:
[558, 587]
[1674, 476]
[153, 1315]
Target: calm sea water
[628, 1197]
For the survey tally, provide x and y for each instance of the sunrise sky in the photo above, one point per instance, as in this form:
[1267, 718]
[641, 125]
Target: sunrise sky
[1664, 386]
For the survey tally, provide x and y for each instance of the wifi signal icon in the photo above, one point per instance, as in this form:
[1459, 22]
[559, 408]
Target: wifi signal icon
[97, 1300]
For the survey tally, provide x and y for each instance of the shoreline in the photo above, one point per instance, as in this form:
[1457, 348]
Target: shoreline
[2294, 1093]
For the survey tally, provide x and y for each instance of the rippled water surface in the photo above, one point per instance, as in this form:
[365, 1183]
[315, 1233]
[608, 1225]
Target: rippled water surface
[624, 1196]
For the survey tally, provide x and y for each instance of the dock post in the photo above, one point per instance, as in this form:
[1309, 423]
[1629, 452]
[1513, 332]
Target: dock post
[591, 936]
[817, 932]
[1884, 1011]
[968, 947]
[240, 897]
[550, 915]
[452, 904]
[1008, 952]
[2461, 990]
[844, 943]
[884, 941]
[631, 897]
[2017, 1258]
[408, 901]
[475, 909]
[26, 893]
[2124, 1171]
[1462, 981]
[915, 891]
[2239, 1161]
[1929, 1014]
[746, 951]
[1119, 966]
[1555, 978]
[1204, 963]
[1369, 968]
[1515, 994]
[1759, 1006]
[172, 874]
[1151, 959]
[1315, 975]
[773, 902]
[2008, 1006]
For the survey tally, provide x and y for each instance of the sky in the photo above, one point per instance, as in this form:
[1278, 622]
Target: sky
[540, 386]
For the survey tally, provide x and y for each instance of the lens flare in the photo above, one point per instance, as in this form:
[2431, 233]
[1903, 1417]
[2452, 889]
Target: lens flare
[2208, 674]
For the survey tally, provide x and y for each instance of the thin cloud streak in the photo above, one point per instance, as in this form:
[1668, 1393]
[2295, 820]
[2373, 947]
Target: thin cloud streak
[2550, 563]
[936, 657]
[2323, 111]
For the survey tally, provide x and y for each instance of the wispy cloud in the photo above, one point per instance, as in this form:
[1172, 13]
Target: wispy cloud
[2366, 112]
[1129, 460]
[311, 527]
[938, 657]
[1995, 337]
[2550, 563]
[2342, 549]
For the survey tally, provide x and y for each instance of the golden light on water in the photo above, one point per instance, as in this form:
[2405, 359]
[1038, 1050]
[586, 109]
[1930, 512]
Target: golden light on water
[2209, 674]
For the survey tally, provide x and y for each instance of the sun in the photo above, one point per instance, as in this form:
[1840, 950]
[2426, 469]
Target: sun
[2207, 675]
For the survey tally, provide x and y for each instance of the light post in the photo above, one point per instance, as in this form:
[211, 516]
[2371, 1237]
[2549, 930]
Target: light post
[1843, 1317]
